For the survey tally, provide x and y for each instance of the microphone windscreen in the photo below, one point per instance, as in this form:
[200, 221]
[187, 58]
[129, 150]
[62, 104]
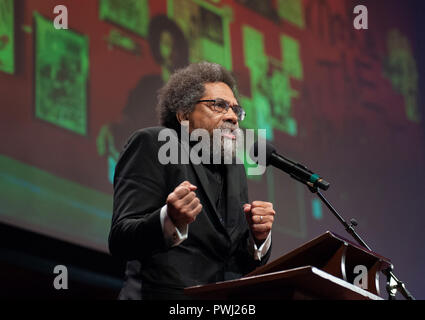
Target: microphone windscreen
[269, 149]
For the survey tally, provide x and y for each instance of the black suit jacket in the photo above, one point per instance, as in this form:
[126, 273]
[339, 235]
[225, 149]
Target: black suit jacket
[213, 251]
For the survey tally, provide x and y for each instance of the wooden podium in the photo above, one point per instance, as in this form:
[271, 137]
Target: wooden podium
[323, 268]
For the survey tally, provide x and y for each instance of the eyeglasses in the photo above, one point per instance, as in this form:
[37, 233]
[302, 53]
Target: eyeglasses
[222, 106]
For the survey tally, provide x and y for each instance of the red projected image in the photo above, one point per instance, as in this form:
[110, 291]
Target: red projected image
[335, 88]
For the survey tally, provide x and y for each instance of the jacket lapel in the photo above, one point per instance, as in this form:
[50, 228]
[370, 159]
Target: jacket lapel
[202, 176]
[234, 206]
[199, 170]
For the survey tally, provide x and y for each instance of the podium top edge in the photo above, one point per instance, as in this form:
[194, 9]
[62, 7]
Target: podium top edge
[300, 278]
[354, 244]
[316, 243]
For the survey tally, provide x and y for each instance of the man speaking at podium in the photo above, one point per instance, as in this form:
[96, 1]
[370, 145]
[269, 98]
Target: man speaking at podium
[186, 224]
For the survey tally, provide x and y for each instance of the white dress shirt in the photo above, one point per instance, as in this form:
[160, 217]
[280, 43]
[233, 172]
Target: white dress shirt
[174, 236]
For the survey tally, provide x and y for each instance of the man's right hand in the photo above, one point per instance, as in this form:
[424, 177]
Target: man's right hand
[183, 205]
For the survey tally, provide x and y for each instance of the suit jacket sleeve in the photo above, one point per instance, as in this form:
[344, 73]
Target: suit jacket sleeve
[246, 248]
[139, 194]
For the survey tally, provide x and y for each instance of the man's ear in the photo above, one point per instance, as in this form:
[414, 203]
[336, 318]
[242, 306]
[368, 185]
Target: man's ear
[182, 117]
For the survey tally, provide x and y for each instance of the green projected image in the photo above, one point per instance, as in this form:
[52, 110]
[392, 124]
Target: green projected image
[207, 29]
[117, 39]
[291, 11]
[61, 75]
[281, 92]
[402, 70]
[270, 104]
[132, 15]
[257, 107]
[270, 107]
[7, 43]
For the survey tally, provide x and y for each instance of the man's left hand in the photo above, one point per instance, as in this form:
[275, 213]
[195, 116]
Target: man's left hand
[260, 217]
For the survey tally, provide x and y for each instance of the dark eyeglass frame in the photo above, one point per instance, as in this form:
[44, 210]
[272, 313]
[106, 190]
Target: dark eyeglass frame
[237, 109]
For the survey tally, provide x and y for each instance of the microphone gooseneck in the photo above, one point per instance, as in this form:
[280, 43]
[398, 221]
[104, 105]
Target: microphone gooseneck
[295, 170]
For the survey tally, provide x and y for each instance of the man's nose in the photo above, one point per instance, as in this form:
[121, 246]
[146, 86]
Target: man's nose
[231, 116]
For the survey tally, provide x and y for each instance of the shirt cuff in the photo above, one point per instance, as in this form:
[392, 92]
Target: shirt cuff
[173, 236]
[259, 253]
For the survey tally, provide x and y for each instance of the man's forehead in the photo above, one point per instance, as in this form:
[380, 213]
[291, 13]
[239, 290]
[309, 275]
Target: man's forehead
[219, 90]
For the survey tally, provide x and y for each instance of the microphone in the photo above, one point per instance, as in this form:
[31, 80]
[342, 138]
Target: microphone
[294, 169]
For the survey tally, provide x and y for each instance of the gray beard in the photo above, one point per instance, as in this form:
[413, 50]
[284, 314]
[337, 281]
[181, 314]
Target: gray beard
[224, 150]
[214, 147]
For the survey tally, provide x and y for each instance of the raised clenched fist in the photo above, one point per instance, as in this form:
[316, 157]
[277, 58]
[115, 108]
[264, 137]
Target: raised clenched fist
[183, 205]
[260, 217]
